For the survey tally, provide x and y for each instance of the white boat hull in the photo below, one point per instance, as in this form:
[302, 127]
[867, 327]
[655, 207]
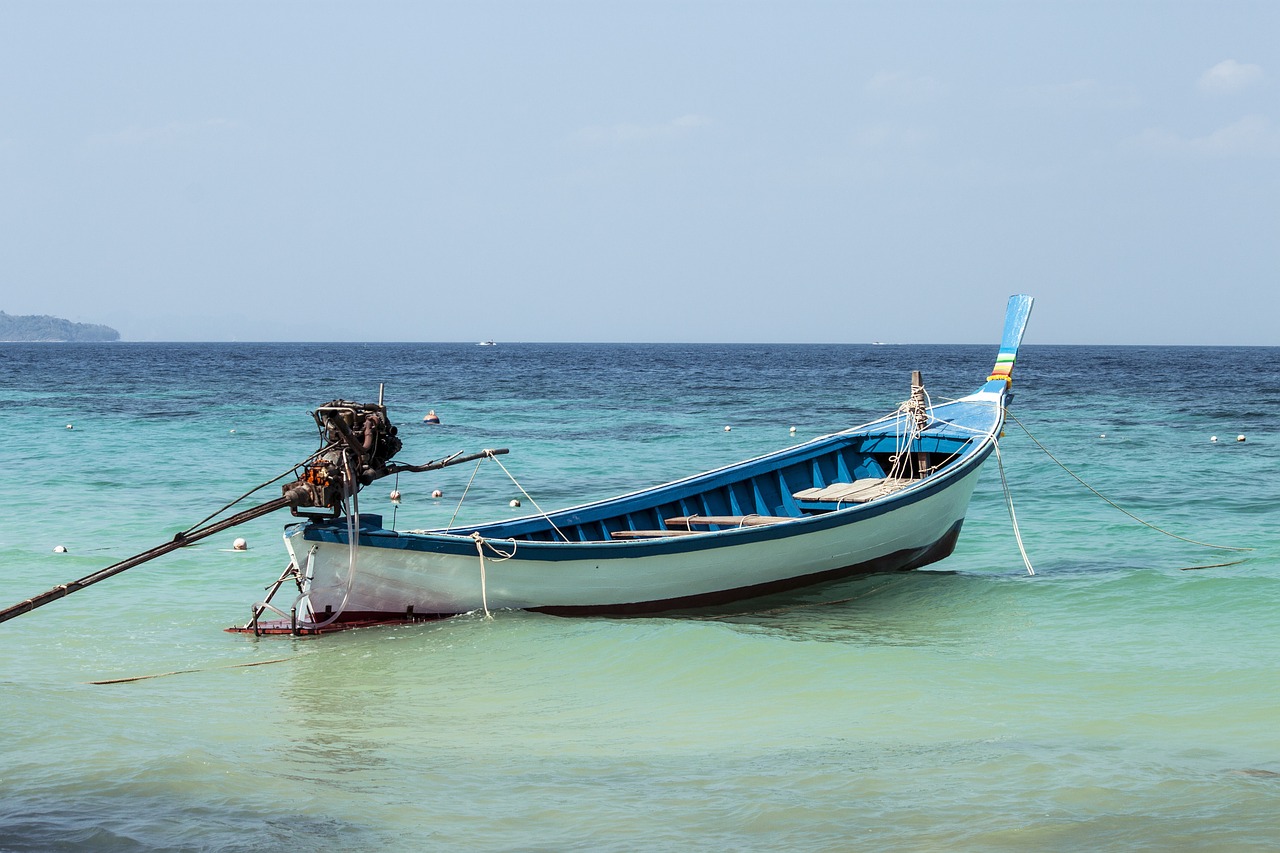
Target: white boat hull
[888, 495]
[378, 581]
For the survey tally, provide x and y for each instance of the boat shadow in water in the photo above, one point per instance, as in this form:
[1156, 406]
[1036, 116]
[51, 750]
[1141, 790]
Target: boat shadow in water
[920, 608]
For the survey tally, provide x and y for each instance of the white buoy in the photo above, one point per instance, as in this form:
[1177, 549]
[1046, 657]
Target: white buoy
[514, 503]
[1213, 438]
[1104, 435]
[59, 549]
[793, 430]
[69, 426]
[437, 494]
[727, 427]
[1239, 438]
[240, 545]
[395, 496]
[233, 432]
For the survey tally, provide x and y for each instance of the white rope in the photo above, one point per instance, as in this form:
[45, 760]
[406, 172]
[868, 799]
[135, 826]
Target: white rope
[1115, 505]
[1013, 517]
[909, 411]
[962, 427]
[914, 416]
[481, 542]
[484, 587]
[350, 486]
[522, 489]
[530, 497]
[351, 507]
[449, 526]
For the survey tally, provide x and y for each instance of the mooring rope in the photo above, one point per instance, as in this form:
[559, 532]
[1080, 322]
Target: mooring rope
[1112, 503]
[456, 509]
[481, 542]
[484, 585]
[914, 415]
[1013, 517]
[186, 671]
[530, 497]
[1214, 565]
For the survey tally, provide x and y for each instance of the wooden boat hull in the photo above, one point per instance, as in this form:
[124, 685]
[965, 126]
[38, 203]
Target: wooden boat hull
[414, 575]
[887, 496]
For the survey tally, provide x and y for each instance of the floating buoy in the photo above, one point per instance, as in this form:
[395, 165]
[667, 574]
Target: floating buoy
[59, 549]
[727, 427]
[793, 430]
[240, 545]
[69, 426]
[233, 432]
[1104, 435]
[431, 417]
[514, 503]
[1239, 438]
[1213, 438]
[437, 494]
[395, 496]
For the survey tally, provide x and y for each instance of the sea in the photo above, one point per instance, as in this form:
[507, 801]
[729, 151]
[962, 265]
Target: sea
[1124, 696]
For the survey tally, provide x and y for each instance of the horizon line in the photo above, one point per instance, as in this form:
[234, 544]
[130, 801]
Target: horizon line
[637, 343]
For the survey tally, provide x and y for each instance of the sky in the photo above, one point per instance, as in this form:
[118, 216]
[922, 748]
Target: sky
[825, 172]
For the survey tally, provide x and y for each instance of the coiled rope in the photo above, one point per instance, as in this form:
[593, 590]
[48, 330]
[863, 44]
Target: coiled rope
[915, 414]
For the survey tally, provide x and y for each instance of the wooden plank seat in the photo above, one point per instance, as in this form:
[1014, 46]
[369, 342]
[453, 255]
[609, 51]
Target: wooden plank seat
[859, 491]
[684, 525]
[690, 521]
[648, 534]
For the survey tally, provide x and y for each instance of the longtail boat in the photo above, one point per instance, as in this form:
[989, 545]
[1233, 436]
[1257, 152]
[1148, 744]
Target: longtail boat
[889, 495]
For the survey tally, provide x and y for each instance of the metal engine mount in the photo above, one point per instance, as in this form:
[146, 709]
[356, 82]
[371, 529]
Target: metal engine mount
[358, 441]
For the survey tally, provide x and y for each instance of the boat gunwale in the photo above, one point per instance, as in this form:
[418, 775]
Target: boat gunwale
[457, 541]
[982, 397]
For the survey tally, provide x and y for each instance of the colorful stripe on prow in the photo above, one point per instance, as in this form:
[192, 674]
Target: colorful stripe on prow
[1015, 323]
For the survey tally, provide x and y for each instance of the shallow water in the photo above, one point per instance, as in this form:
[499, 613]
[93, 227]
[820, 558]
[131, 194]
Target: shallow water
[1118, 698]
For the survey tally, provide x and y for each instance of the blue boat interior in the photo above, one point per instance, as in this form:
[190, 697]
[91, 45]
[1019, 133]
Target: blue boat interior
[808, 480]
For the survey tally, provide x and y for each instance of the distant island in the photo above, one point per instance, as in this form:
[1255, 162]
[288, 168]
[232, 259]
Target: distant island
[43, 328]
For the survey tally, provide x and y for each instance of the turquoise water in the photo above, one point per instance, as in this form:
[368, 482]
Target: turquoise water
[1120, 698]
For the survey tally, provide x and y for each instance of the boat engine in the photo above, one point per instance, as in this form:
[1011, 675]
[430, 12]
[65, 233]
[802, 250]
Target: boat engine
[358, 441]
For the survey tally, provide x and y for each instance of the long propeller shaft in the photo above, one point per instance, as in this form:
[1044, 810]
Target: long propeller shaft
[180, 541]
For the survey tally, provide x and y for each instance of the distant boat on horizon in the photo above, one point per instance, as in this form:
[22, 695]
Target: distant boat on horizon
[486, 344]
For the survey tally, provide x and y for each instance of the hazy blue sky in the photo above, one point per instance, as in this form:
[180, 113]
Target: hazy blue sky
[643, 171]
